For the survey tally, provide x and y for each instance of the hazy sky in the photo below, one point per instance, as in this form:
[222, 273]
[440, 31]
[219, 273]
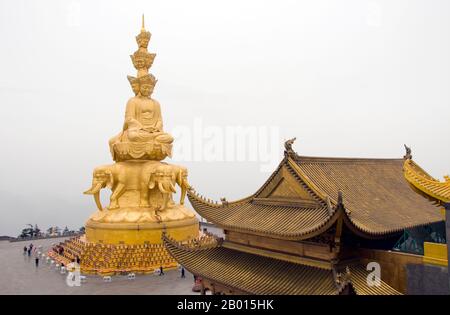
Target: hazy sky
[347, 78]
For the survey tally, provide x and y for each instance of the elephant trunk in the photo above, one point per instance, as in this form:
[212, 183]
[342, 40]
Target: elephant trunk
[94, 189]
[183, 195]
[184, 187]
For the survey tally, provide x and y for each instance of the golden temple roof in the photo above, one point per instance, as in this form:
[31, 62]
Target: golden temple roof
[256, 274]
[299, 200]
[378, 199]
[421, 180]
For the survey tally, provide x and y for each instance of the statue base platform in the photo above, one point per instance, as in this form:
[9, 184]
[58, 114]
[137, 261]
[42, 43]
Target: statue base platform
[140, 233]
[114, 249]
[107, 260]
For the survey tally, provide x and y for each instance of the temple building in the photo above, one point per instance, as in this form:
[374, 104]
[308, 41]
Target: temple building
[316, 226]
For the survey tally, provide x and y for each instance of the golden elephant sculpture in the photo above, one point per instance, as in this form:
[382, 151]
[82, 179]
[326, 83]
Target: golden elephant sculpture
[143, 176]
[120, 177]
[165, 177]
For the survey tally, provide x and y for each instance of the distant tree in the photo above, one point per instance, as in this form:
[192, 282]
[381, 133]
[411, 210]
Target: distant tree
[66, 231]
[53, 231]
[27, 232]
[36, 231]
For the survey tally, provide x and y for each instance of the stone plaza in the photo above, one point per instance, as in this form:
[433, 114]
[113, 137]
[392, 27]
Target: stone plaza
[21, 276]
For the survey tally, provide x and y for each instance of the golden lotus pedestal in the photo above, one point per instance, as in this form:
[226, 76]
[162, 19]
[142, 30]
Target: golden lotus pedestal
[140, 233]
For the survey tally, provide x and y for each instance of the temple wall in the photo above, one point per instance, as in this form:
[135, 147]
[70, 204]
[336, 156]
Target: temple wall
[407, 273]
[427, 279]
[303, 249]
[211, 228]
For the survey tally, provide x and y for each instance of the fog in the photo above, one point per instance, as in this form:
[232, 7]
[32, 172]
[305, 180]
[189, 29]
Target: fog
[347, 78]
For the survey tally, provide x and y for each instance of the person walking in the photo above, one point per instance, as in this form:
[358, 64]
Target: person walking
[161, 271]
[182, 273]
[36, 261]
[25, 250]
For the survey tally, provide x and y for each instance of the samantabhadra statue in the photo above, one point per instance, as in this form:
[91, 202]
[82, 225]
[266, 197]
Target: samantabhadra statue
[141, 203]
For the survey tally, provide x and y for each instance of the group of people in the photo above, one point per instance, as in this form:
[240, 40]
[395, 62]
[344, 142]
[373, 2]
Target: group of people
[32, 250]
[182, 271]
[58, 249]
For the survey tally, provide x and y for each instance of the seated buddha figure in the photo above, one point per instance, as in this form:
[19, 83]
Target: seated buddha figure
[142, 135]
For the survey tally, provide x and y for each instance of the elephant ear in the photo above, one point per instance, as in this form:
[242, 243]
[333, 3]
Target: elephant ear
[110, 181]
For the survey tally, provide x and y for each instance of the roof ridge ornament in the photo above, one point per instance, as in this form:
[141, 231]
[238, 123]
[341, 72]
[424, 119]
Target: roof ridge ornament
[340, 199]
[408, 155]
[329, 206]
[342, 278]
[224, 201]
[340, 203]
[288, 151]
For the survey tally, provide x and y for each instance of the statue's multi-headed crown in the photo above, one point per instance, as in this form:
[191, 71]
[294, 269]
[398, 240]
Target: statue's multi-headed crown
[144, 36]
[148, 79]
[142, 61]
[134, 82]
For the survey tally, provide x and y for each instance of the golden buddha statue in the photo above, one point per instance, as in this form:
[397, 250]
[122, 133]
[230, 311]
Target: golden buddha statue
[142, 136]
[141, 204]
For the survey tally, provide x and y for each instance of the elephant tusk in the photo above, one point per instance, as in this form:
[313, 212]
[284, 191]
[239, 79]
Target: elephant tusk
[162, 189]
[94, 189]
[97, 201]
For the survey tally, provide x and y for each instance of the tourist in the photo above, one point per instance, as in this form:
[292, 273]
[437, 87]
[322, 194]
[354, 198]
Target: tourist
[182, 273]
[161, 271]
[36, 261]
[25, 250]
